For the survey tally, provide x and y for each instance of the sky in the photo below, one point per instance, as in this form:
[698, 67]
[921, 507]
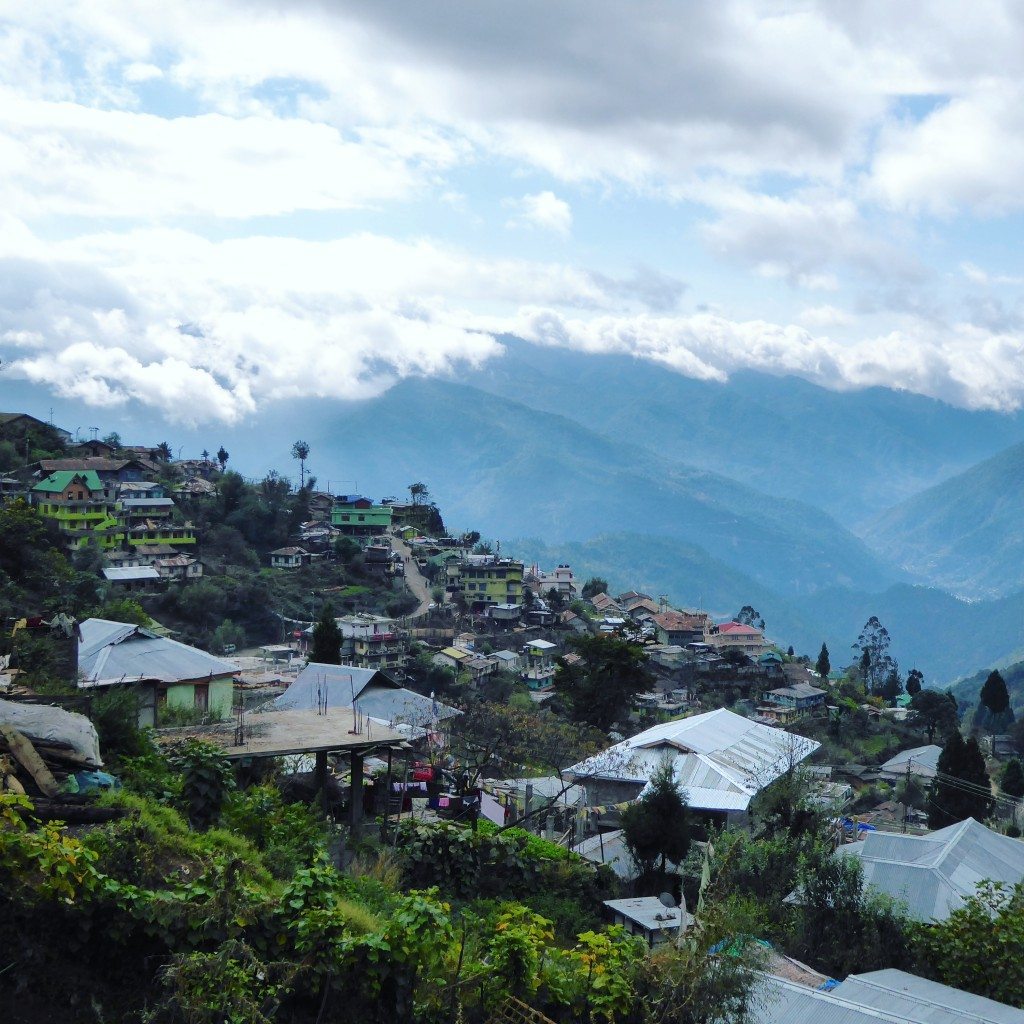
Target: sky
[208, 206]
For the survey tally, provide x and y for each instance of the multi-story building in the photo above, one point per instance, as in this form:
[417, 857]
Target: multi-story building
[738, 636]
[356, 516]
[373, 641]
[539, 667]
[80, 506]
[682, 628]
[487, 580]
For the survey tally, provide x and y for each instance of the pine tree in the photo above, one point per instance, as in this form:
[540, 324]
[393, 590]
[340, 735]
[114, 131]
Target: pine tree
[893, 685]
[962, 788]
[915, 680]
[656, 828]
[1012, 782]
[993, 711]
[326, 639]
[823, 665]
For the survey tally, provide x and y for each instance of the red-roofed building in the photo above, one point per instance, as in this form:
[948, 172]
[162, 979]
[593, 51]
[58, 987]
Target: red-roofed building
[740, 637]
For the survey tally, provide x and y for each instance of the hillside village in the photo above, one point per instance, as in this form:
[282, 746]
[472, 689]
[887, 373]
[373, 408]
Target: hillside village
[277, 728]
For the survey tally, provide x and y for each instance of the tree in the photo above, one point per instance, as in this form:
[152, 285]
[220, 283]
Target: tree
[750, 616]
[418, 492]
[823, 666]
[962, 788]
[993, 704]
[935, 712]
[892, 687]
[205, 455]
[915, 681]
[656, 828]
[222, 457]
[326, 639]
[595, 585]
[599, 687]
[876, 664]
[1012, 781]
[977, 948]
[300, 451]
[555, 600]
[163, 451]
[113, 439]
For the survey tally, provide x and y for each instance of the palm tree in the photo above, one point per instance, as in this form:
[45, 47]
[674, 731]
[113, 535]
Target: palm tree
[163, 451]
[300, 451]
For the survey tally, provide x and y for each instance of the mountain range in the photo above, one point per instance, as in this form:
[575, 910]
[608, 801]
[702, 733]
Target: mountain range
[821, 508]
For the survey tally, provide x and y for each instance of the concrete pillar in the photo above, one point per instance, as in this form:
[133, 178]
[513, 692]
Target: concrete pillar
[355, 808]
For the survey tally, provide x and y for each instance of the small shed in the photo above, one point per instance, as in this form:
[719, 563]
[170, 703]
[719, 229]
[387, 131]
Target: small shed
[648, 917]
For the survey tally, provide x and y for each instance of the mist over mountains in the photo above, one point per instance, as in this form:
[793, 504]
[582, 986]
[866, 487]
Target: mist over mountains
[821, 508]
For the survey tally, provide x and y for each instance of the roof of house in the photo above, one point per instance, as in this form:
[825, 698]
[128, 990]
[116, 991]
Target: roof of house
[920, 760]
[879, 997]
[610, 848]
[155, 549]
[798, 690]
[58, 480]
[649, 912]
[147, 502]
[936, 873]
[128, 573]
[455, 653]
[284, 552]
[121, 652]
[673, 620]
[739, 629]
[374, 694]
[721, 759]
[506, 656]
[541, 645]
[93, 462]
[602, 601]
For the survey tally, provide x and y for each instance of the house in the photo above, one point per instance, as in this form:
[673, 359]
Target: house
[179, 567]
[642, 609]
[80, 506]
[135, 509]
[935, 874]
[132, 577]
[451, 658]
[720, 759]
[575, 622]
[799, 696]
[288, 558]
[163, 672]
[508, 612]
[648, 917]
[26, 433]
[196, 488]
[508, 661]
[738, 636]
[367, 690]
[141, 489]
[681, 628]
[487, 580]
[604, 604]
[920, 761]
[356, 516]
[877, 997]
[538, 671]
[559, 579]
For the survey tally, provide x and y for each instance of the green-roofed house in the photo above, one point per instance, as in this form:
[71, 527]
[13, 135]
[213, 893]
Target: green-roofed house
[77, 502]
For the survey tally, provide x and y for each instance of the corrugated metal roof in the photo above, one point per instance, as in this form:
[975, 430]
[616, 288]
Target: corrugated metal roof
[924, 1002]
[720, 757]
[115, 652]
[934, 874]
[890, 996]
[922, 761]
[125, 573]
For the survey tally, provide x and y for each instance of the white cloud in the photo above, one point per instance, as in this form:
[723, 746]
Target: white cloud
[139, 71]
[543, 210]
[824, 317]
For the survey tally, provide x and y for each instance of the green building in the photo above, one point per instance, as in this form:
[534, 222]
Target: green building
[81, 508]
[491, 582]
[356, 516]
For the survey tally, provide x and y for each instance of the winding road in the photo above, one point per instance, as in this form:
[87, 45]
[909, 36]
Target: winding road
[413, 578]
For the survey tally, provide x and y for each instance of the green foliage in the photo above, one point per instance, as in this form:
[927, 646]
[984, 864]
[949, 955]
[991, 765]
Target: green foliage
[124, 610]
[326, 639]
[936, 712]
[228, 634]
[115, 714]
[595, 585]
[978, 946]
[1012, 781]
[229, 986]
[207, 780]
[823, 665]
[915, 682]
[965, 791]
[656, 828]
[598, 688]
[994, 713]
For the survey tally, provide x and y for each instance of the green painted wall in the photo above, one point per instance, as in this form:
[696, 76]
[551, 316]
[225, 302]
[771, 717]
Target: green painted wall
[222, 696]
[181, 696]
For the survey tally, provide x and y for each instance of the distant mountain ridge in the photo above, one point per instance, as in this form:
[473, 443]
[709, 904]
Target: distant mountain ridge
[965, 534]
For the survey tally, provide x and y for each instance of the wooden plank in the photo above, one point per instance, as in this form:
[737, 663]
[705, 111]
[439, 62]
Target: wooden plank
[30, 760]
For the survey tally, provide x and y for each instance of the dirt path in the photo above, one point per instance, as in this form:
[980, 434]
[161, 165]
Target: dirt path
[413, 578]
